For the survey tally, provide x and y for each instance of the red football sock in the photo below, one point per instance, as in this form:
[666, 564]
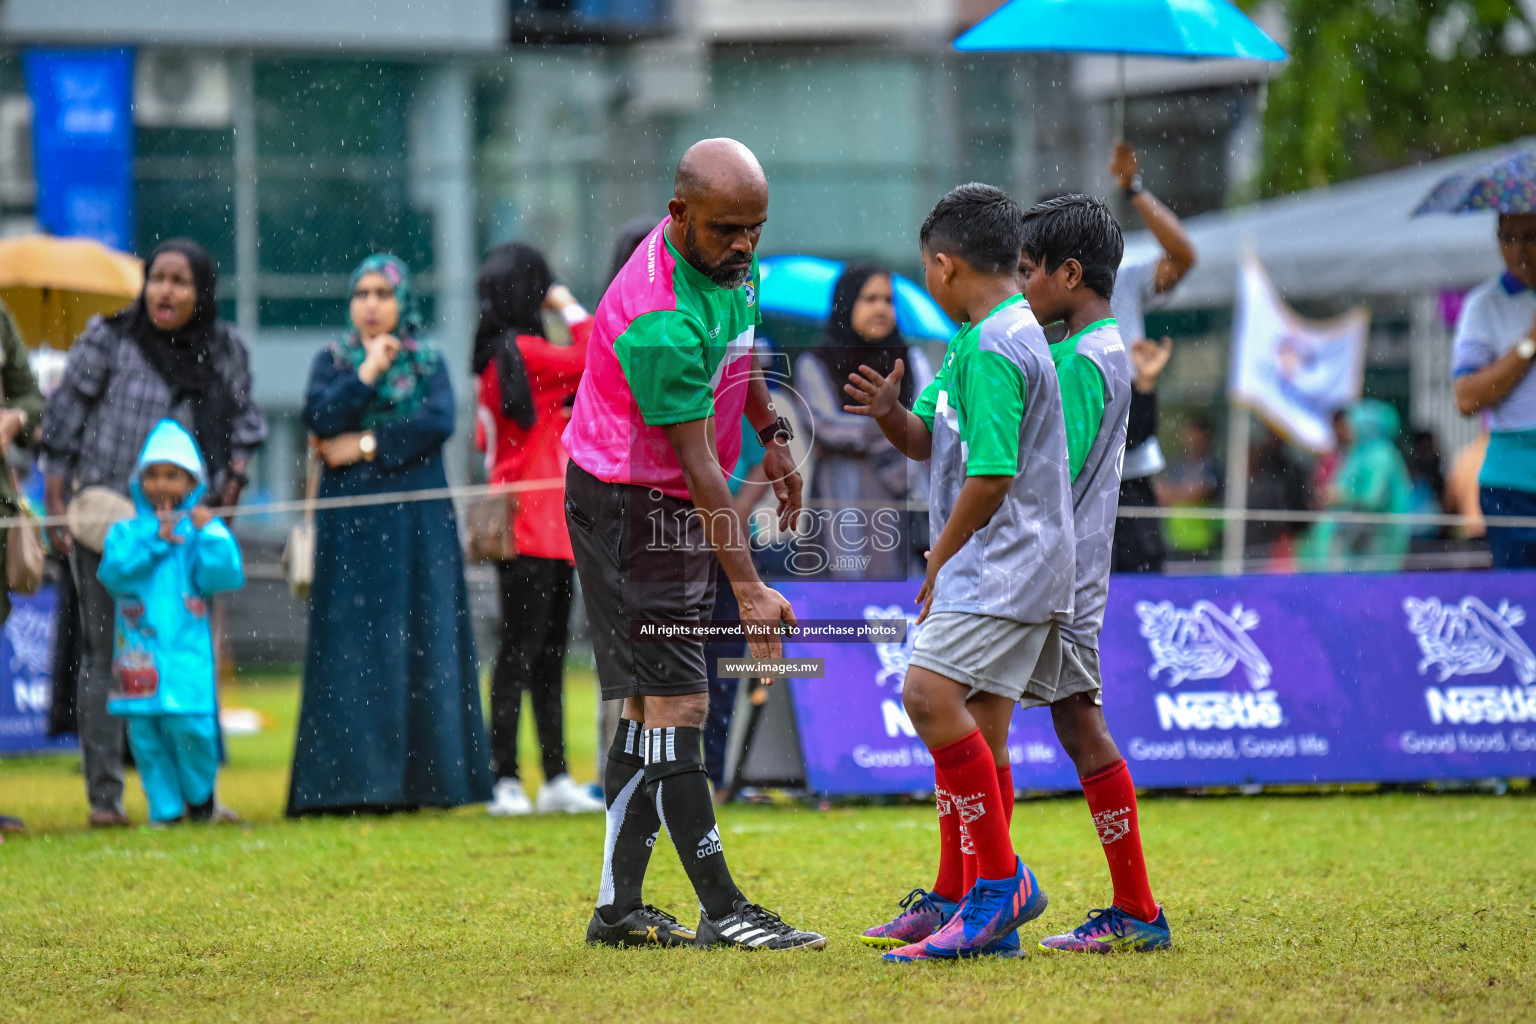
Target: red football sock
[951, 881]
[966, 772]
[1005, 783]
[968, 857]
[968, 863]
[1112, 802]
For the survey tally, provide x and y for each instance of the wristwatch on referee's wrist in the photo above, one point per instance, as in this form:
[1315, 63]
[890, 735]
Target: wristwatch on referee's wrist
[778, 430]
[368, 444]
[1526, 347]
[1134, 187]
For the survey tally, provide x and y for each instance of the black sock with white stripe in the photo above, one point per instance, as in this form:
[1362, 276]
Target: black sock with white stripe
[632, 825]
[675, 779]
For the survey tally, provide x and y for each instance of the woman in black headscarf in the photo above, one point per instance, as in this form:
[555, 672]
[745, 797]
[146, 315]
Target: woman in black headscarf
[525, 382]
[186, 356]
[167, 355]
[513, 285]
[856, 468]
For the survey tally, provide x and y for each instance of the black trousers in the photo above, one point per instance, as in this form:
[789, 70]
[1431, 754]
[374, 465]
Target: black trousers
[535, 611]
[103, 737]
[1138, 544]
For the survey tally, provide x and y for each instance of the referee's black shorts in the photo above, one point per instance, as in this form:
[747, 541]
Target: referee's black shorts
[643, 558]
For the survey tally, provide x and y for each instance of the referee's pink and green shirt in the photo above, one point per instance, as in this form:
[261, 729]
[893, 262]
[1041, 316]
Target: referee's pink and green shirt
[668, 346]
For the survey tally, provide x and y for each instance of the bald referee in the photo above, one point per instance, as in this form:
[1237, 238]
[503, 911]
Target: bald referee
[654, 431]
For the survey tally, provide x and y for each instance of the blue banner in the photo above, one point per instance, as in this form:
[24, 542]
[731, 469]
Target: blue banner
[1225, 681]
[82, 142]
[26, 674]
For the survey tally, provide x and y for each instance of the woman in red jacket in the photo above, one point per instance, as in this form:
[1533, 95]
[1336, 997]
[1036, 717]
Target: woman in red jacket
[525, 383]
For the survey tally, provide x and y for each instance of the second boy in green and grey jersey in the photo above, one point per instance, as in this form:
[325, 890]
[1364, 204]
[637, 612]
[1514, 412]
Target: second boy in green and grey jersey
[1072, 246]
[1094, 370]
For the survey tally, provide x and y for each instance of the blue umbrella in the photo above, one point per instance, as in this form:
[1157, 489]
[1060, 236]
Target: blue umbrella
[1191, 29]
[1505, 185]
[801, 286]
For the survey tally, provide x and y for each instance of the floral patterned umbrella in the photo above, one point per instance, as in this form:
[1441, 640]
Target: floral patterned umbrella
[1507, 185]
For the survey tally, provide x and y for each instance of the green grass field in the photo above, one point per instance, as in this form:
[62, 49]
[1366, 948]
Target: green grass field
[1369, 907]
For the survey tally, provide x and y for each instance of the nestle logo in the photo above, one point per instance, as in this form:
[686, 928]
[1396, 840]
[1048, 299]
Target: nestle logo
[1474, 705]
[1219, 710]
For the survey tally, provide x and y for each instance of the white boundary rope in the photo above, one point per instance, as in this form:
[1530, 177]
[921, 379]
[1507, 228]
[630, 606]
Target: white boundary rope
[463, 492]
[468, 492]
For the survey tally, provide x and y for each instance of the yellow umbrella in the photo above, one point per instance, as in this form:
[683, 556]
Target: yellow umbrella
[53, 286]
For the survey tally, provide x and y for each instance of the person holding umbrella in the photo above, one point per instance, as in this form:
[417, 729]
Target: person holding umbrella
[1495, 346]
[1494, 350]
[1141, 283]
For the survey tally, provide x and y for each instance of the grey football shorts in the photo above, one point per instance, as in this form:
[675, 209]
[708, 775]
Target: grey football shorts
[1077, 672]
[988, 654]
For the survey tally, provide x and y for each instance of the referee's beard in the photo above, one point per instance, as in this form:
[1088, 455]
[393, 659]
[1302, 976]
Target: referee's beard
[730, 273]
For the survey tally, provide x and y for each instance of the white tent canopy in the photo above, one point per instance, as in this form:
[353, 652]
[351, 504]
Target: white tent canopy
[1350, 241]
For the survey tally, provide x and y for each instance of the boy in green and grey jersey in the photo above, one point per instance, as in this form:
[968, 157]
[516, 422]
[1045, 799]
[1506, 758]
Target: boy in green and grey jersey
[989, 404]
[1000, 575]
[1071, 249]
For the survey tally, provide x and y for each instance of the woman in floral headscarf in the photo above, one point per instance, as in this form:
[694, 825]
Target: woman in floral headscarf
[391, 715]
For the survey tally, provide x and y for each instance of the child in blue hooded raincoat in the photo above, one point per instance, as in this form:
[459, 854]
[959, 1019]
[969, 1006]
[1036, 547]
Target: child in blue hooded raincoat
[1372, 478]
[161, 567]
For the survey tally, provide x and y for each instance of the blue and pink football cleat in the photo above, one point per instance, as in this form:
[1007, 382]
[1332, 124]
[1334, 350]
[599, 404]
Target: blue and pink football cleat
[1006, 948]
[1112, 930]
[922, 914]
[992, 909]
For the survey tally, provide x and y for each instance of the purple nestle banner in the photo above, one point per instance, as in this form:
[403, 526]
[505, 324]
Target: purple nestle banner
[1217, 681]
[26, 674]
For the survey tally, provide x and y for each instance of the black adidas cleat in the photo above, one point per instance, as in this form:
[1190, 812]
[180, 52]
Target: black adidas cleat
[753, 927]
[644, 927]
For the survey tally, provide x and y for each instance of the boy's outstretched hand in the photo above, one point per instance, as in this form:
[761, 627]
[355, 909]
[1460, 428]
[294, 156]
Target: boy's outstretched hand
[879, 398]
[874, 395]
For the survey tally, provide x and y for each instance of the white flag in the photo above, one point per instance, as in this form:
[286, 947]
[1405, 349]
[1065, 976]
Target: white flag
[1294, 373]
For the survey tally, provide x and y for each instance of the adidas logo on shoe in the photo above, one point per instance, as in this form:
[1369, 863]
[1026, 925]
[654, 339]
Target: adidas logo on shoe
[710, 844]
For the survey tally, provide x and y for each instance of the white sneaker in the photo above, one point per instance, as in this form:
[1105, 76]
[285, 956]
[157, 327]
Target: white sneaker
[562, 793]
[508, 798]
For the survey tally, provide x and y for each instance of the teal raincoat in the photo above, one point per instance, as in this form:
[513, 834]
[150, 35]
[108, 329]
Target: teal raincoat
[1372, 478]
[162, 652]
